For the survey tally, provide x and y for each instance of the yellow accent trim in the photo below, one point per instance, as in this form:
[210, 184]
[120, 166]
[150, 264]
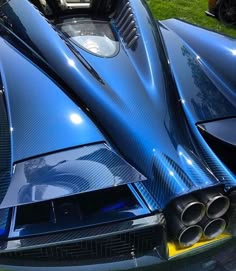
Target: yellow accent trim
[174, 251]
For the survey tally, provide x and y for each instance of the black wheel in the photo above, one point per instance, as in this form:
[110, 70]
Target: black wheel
[227, 12]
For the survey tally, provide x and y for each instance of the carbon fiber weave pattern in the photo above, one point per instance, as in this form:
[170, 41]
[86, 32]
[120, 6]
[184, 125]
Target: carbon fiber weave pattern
[112, 248]
[68, 173]
[82, 234]
[152, 203]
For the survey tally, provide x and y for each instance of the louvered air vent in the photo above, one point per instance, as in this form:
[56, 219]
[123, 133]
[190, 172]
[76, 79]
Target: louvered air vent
[126, 24]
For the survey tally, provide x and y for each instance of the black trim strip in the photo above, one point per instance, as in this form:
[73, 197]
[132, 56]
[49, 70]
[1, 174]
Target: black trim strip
[5, 146]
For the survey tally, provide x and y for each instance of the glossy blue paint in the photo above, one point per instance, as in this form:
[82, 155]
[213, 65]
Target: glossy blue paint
[147, 99]
[137, 106]
[42, 118]
[201, 96]
[205, 79]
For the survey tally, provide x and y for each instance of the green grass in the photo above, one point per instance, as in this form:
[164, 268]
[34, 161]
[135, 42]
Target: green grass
[189, 10]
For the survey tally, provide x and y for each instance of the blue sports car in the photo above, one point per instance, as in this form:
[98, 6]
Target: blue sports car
[117, 139]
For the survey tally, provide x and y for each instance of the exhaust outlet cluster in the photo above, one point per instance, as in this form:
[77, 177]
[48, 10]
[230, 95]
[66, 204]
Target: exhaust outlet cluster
[216, 204]
[195, 217]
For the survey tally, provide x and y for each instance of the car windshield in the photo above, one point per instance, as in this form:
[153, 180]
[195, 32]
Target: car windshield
[95, 37]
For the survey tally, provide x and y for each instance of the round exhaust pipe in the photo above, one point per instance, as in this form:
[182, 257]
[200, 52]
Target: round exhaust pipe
[213, 228]
[216, 204]
[190, 236]
[185, 236]
[189, 210]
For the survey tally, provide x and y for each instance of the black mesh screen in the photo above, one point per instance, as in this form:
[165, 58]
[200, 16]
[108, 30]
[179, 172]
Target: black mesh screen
[120, 246]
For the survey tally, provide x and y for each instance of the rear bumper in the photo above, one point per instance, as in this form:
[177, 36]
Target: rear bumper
[221, 258]
[137, 245]
[119, 246]
[136, 264]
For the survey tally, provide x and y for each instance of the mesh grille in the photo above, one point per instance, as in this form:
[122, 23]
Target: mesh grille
[124, 245]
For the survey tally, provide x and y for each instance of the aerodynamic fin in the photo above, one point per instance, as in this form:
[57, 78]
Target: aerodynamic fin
[67, 173]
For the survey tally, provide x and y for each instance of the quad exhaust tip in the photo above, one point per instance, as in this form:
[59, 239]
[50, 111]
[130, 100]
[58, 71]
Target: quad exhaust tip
[190, 236]
[193, 213]
[189, 210]
[214, 228]
[217, 206]
[184, 236]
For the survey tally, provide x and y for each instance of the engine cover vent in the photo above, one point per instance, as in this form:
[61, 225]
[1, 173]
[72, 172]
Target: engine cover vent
[126, 24]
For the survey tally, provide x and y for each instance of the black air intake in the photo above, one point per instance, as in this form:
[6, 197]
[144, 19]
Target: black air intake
[87, 209]
[221, 137]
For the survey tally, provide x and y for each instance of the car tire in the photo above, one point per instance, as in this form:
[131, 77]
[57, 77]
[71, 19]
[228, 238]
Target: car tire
[226, 12]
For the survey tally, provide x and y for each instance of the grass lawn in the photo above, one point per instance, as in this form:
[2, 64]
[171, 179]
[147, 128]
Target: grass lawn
[188, 10]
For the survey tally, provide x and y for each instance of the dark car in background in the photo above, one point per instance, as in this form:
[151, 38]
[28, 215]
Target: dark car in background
[224, 10]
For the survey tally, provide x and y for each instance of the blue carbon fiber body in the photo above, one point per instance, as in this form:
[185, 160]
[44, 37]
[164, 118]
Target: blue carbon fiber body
[38, 108]
[77, 120]
[211, 97]
[158, 124]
